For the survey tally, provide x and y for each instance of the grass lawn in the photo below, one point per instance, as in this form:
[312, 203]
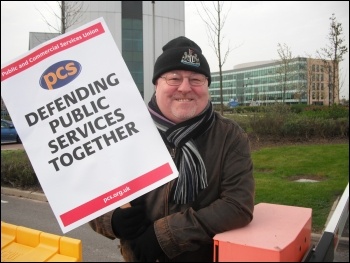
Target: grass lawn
[277, 169]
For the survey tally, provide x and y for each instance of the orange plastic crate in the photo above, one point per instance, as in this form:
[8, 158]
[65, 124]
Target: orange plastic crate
[277, 233]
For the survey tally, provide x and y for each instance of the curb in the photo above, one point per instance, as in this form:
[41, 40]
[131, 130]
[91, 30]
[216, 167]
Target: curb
[315, 238]
[23, 193]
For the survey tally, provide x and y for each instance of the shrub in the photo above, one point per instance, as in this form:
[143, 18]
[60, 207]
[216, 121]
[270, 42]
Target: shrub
[270, 120]
[280, 120]
[298, 108]
[332, 112]
[297, 127]
[17, 171]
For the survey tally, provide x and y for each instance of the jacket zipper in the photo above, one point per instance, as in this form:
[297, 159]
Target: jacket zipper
[173, 152]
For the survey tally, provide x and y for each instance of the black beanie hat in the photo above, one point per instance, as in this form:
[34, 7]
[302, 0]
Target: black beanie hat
[183, 54]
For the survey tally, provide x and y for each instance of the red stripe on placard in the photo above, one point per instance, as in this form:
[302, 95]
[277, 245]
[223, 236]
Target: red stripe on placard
[113, 196]
[51, 49]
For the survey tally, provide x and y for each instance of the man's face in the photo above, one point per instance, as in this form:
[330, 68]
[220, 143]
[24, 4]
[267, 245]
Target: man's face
[181, 94]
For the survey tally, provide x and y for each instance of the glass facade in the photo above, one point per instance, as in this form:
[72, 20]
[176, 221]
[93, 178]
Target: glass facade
[132, 43]
[263, 84]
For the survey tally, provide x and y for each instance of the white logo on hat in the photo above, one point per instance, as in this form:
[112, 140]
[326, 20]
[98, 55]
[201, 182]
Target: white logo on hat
[190, 59]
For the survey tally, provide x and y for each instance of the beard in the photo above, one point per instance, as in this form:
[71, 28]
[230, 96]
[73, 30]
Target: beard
[184, 114]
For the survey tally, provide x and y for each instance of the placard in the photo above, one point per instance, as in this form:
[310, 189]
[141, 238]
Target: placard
[84, 125]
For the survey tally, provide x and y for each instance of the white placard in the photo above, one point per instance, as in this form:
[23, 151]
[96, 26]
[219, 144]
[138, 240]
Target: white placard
[84, 125]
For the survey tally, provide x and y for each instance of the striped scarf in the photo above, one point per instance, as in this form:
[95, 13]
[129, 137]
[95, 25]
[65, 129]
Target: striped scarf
[192, 172]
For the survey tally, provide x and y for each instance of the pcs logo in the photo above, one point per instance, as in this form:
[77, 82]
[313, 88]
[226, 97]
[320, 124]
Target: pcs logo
[60, 74]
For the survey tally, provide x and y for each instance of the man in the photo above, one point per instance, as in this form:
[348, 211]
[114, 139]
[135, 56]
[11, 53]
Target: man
[214, 192]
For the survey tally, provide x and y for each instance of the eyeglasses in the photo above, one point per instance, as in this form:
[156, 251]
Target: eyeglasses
[175, 79]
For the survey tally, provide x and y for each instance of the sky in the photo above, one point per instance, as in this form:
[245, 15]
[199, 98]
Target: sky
[253, 29]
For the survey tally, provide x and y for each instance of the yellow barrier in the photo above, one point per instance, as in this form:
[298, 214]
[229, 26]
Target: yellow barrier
[22, 244]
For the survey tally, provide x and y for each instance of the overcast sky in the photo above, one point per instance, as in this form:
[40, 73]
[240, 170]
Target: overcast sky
[253, 29]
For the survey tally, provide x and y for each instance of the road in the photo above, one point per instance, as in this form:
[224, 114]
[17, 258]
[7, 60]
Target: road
[38, 215]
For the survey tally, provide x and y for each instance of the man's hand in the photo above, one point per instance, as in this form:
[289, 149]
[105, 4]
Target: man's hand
[146, 247]
[130, 222]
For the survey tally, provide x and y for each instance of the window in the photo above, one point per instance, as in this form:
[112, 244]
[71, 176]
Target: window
[132, 44]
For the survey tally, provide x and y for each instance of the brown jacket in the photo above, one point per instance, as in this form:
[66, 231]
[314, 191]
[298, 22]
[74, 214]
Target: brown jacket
[185, 232]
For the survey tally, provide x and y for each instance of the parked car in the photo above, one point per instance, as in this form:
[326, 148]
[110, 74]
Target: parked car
[8, 132]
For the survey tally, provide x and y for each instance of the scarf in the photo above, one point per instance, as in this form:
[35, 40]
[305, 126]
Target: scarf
[192, 173]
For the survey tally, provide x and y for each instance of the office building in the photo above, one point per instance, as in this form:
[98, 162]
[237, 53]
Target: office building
[304, 80]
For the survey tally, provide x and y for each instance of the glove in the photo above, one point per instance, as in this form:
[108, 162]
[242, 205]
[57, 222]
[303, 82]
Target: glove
[129, 223]
[146, 247]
